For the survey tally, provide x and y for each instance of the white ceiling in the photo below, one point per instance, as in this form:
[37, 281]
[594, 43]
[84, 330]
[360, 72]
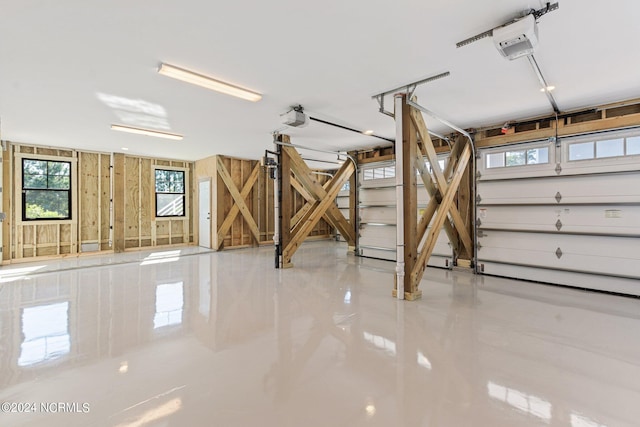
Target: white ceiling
[70, 69]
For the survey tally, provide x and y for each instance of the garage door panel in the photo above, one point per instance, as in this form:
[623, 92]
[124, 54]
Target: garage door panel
[614, 188]
[383, 215]
[594, 254]
[568, 278]
[607, 219]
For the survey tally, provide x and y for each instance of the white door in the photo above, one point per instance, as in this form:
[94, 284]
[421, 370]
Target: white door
[204, 214]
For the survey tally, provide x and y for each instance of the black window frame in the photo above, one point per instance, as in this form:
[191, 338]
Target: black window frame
[68, 191]
[155, 187]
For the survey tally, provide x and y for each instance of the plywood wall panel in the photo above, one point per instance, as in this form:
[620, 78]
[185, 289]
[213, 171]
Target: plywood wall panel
[89, 197]
[147, 192]
[131, 200]
[105, 203]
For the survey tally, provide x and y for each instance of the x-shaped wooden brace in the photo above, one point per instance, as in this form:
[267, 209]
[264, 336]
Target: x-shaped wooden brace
[321, 203]
[442, 195]
[239, 199]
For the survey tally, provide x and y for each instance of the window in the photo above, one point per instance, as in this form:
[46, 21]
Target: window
[379, 173]
[610, 148]
[531, 156]
[169, 193]
[46, 190]
[605, 148]
[516, 158]
[495, 160]
[633, 145]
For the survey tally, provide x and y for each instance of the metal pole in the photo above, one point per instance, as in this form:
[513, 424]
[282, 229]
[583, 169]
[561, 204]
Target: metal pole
[399, 200]
[543, 82]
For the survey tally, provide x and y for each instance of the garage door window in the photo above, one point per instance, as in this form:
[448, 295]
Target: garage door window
[532, 156]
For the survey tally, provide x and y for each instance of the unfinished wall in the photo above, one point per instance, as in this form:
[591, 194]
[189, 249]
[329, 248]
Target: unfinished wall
[88, 230]
[259, 201]
[141, 227]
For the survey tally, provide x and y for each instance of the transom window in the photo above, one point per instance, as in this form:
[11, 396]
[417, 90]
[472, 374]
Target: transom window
[46, 190]
[381, 172]
[169, 193]
[615, 147]
[523, 157]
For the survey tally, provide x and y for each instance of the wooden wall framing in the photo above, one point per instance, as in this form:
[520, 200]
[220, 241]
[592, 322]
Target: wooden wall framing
[241, 202]
[89, 230]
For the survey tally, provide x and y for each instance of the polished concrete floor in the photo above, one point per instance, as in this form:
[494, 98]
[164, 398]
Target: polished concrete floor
[195, 338]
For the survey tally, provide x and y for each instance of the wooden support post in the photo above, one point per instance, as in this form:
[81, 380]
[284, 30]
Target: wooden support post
[410, 202]
[286, 203]
[118, 202]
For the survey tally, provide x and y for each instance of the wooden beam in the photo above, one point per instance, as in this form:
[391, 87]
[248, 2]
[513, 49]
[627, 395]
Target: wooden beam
[410, 201]
[310, 201]
[569, 129]
[286, 202]
[239, 199]
[118, 202]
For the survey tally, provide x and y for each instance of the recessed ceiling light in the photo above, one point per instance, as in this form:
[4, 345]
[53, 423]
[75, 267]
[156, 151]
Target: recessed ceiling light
[125, 148]
[368, 132]
[208, 82]
[148, 132]
[547, 89]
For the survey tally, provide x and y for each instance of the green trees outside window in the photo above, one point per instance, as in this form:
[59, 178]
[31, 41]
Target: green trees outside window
[169, 193]
[46, 190]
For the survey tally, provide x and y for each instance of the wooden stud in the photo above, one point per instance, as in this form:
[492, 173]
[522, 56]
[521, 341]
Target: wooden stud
[118, 202]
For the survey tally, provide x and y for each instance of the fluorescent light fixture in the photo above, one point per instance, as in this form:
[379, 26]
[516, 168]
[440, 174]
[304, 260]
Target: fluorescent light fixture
[368, 132]
[208, 82]
[148, 132]
[125, 148]
[547, 89]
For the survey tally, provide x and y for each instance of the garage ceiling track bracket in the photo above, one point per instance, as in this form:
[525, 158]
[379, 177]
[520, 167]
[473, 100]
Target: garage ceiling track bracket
[409, 89]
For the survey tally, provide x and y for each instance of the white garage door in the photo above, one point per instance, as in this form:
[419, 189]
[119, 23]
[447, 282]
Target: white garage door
[566, 213]
[377, 210]
[343, 204]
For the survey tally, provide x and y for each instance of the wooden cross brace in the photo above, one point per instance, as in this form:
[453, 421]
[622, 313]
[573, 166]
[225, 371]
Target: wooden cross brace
[442, 196]
[320, 203]
[240, 205]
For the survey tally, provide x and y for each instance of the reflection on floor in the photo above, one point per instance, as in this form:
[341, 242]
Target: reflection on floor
[223, 339]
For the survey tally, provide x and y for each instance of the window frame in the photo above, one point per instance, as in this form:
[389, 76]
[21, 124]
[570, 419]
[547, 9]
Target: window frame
[24, 190]
[183, 193]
